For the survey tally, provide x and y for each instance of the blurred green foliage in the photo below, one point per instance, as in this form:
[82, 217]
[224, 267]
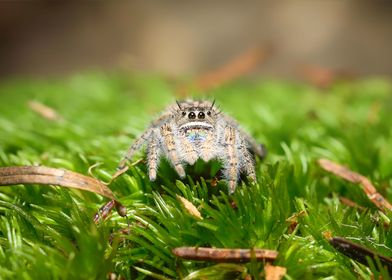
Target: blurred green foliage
[48, 232]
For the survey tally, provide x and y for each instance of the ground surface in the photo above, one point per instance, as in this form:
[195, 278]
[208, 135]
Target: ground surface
[48, 232]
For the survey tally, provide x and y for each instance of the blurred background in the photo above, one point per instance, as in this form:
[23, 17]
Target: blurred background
[180, 38]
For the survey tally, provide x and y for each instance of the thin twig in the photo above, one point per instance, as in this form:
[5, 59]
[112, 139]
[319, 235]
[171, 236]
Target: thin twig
[105, 210]
[350, 203]
[323, 77]
[233, 69]
[359, 253]
[224, 255]
[353, 177]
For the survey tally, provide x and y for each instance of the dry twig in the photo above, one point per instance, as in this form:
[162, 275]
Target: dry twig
[359, 253]
[224, 255]
[350, 203]
[323, 77]
[235, 68]
[353, 177]
[105, 210]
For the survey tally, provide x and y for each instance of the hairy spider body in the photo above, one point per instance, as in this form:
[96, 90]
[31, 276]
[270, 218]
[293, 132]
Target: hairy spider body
[190, 130]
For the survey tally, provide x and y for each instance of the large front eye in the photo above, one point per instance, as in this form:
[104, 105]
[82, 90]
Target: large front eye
[201, 115]
[192, 115]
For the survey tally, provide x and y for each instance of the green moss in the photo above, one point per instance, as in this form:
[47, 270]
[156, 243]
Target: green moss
[48, 232]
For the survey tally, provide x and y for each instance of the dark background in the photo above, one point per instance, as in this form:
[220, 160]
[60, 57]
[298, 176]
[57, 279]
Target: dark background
[179, 38]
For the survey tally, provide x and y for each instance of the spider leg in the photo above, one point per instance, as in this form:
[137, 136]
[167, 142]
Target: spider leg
[170, 146]
[139, 142]
[189, 153]
[231, 163]
[134, 147]
[153, 155]
[256, 147]
[248, 165]
[245, 159]
[162, 119]
[207, 148]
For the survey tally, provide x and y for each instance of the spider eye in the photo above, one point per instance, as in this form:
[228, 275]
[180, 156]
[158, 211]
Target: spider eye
[201, 115]
[192, 115]
[183, 114]
[209, 113]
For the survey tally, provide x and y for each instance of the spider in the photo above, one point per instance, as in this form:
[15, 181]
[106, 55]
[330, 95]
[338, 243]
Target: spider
[191, 130]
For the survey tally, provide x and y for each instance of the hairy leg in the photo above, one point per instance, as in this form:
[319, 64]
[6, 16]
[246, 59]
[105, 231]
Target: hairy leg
[231, 161]
[208, 148]
[245, 158]
[256, 147]
[188, 151]
[139, 142]
[170, 147]
[153, 155]
[135, 147]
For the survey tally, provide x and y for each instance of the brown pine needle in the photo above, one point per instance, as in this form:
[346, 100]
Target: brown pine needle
[353, 177]
[232, 70]
[273, 272]
[323, 77]
[350, 203]
[224, 255]
[44, 111]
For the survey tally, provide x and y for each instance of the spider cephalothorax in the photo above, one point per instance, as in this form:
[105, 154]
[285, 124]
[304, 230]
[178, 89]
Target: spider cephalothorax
[190, 130]
[195, 113]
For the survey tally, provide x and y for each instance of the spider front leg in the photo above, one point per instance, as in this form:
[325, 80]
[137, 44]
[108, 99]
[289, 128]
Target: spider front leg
[170, 147]
[207, 148]
[135, 147]
[153, 155]
[189, 153]
[231, 158]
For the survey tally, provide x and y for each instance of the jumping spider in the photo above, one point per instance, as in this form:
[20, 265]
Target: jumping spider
[190, 130]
